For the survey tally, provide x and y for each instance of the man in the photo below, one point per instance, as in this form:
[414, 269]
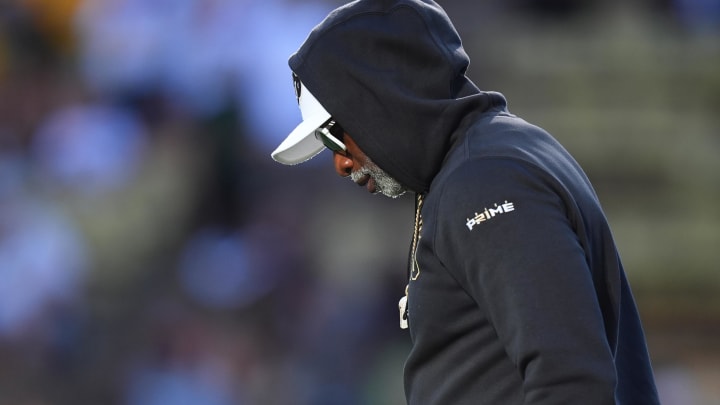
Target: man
[516, 293]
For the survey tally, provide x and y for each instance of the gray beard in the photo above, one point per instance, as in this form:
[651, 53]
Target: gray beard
[384, 183]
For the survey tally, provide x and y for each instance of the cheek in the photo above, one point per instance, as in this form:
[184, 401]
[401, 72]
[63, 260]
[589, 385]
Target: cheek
[358, 157]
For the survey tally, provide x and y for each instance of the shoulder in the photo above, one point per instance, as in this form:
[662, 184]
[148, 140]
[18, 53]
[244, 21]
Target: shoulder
[487, 195]
[489, 177]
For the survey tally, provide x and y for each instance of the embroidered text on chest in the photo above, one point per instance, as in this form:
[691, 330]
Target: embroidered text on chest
[489, 213]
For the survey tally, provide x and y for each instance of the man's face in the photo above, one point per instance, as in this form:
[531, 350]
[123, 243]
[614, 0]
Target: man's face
[364, 172]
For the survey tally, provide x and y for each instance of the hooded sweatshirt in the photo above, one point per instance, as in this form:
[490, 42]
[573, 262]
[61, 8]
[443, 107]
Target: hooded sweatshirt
[517, 294]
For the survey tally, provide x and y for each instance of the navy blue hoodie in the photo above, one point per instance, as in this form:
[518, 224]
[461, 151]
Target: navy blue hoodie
[519, 296]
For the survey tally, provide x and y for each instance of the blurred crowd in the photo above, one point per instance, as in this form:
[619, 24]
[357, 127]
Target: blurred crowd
[150, 251]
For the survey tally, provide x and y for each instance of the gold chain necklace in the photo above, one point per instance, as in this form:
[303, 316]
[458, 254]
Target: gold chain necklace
[414, 272]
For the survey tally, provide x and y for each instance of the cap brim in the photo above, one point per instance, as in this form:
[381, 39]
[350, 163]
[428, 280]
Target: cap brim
[301, 145]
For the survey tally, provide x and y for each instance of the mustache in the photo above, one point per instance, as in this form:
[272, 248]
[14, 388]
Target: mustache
[384, 184]
[359, 174]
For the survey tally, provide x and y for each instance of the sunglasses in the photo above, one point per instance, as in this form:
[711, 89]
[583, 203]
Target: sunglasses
[330, 134]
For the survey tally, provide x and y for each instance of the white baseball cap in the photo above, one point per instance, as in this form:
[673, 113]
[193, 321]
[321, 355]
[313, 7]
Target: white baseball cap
[302, 145]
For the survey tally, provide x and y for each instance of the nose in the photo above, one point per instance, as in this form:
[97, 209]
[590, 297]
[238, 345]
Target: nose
[343, 164]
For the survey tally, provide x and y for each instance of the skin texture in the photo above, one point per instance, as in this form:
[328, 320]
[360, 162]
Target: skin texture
[354, 163]
[354, 159]
[344, 162]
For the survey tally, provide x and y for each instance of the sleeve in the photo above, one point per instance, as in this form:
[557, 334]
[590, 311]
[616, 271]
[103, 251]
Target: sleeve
[506, 231]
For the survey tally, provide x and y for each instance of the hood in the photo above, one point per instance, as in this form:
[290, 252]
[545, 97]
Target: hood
[392, 74]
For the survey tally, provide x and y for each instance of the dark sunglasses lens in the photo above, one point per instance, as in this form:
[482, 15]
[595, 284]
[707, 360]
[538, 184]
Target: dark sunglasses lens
[329, 143]
[337, 131]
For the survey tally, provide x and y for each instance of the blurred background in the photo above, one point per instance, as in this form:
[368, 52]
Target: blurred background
[152, 253]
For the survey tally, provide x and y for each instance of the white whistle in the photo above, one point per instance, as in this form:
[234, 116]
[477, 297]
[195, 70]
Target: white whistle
[402, 305]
